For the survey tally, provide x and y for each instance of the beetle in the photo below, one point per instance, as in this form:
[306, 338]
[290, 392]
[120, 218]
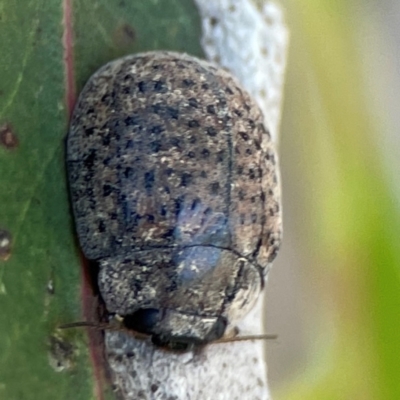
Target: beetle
[174, 183]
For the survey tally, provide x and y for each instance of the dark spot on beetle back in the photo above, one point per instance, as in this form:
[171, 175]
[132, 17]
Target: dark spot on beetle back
[101, 227]
[214, 188]
[141, 86]
[193, 123]
[172, 113]
[107, 189]
[205, 153]
[163, 210]
[160, 86]
[251, 124]
[186, 179]
[129, 144]
[169, 171]
[188, 82]
[132, 120]
[150, 218]
[104, 99]
[89, 131]
[244, 135]
[155, 146]
[178, 205]
[220, 156]
[175, 142]
[156, 108]
[211, 109]
[106, 140]
[128, 173]
[90, 159]
[222, 102]
[157, 129]
[193, 102]
[211, 131]
[238, 112]
[149, 180]
[195, 204]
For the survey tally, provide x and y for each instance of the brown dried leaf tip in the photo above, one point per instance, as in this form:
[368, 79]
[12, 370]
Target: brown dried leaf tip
[5, 245]
[7, 137]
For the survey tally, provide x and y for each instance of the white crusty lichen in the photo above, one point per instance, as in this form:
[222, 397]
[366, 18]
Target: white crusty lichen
[250, 41]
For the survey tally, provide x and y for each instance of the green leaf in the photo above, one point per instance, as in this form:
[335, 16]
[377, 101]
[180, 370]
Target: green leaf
[40, 281]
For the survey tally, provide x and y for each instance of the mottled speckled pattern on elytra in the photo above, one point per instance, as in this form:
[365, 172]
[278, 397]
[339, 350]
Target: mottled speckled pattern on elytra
[174, 186]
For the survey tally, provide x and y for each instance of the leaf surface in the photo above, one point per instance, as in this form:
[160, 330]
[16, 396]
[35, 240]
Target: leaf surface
[40, 276]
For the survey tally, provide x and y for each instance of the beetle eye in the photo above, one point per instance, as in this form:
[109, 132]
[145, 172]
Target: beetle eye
[143, 320]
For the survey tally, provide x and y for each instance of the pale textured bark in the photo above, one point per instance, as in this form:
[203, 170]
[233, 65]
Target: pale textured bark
[251, 42]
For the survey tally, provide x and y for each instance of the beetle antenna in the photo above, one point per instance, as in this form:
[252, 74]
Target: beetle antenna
[87, 324]
[245, 338]
[138, 335]
[101, 326]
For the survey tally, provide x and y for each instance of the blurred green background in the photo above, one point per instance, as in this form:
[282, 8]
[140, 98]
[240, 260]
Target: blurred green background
[334, 294]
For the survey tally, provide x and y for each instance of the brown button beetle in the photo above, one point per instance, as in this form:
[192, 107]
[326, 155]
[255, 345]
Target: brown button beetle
[174, 187]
